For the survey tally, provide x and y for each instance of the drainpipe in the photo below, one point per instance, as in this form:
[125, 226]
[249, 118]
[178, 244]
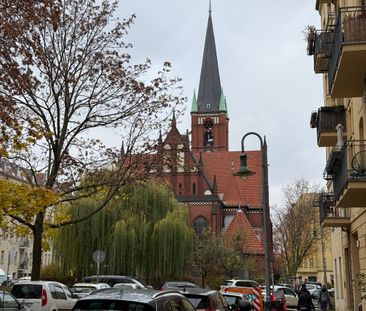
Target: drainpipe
[350, 270]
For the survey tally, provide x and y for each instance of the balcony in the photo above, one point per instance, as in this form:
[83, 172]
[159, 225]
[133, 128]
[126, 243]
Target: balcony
[330, 216]
[325, 121]
[24, 243]
[322, 50]
[23, 265]
[347, 168]
[347, 65]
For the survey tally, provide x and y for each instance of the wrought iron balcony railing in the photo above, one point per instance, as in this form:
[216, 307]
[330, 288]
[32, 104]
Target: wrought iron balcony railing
[326, 205]
[325, 121]
[330, 215]
[347, 168]
[322, 50]
[350, 28]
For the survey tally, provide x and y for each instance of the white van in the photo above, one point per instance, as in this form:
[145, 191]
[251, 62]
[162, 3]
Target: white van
[43, 295]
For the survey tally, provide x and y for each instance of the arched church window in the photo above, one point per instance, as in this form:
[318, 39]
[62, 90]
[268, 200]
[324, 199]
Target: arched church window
[194, 188]
[199, 224]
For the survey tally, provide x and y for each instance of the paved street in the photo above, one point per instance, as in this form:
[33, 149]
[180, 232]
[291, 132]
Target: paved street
[314, 302]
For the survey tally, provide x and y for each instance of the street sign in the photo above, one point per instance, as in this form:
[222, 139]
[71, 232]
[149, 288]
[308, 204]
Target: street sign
[99, 256]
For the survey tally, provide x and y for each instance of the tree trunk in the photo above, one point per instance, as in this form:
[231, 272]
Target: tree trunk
[37, 247]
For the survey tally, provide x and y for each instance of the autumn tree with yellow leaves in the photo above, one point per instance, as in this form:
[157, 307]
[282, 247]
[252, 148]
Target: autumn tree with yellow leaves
[67, 79]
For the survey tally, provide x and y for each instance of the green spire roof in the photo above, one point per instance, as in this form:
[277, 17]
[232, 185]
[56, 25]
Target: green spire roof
[222, 107]
[194, 103]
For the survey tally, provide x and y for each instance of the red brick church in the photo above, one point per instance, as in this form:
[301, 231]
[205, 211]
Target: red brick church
[200, 170]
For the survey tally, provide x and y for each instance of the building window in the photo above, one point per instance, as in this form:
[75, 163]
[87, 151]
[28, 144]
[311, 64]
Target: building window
[311, 262]
[199, 224]
[194, 188]
[2, 257]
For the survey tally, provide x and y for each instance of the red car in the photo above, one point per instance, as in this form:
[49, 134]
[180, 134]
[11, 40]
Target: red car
[278, 301]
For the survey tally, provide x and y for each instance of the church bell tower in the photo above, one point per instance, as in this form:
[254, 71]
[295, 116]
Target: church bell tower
[209, 116]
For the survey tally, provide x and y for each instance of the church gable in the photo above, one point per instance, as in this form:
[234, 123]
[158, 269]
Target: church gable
[240, 226]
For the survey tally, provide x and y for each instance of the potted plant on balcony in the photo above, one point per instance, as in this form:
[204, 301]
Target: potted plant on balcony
[310, 35]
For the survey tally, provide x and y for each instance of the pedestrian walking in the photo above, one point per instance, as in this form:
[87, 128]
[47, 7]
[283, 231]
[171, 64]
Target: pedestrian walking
[324, 299]
[305, 301]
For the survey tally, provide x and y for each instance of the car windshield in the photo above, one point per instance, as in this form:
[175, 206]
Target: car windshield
[103, 304]
[199, 302]
[278, 293]
[228, 283]
[231, 300]
[30, 291]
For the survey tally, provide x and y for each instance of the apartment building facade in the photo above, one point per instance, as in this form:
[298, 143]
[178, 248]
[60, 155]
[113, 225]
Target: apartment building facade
[339, 51]
[317, 266]
[15, 250]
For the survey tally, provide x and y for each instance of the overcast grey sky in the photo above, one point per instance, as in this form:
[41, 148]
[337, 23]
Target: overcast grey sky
[266, 75]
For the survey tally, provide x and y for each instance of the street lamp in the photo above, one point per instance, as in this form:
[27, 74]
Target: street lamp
[244, 173]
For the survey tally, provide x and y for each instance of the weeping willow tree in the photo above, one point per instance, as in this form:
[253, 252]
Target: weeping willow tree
[144, 232]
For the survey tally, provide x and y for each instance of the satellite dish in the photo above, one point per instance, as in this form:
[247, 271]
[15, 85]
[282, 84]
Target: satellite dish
[359, 161]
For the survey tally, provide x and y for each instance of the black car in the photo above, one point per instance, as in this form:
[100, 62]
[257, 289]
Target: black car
[134, 300]
[206, 299]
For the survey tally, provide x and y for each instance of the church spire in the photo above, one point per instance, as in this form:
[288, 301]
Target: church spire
[209, 91]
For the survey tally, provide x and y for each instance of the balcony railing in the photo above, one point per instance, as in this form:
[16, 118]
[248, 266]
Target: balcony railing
[23, 265]
[24, 243]
[347, 168]
[325, 121]
[322, 50]
[330, 216]
[349, 29]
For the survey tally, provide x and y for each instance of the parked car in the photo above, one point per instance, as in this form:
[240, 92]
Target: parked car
[206, 299]
[312, 287]
[134, 299]
[43, 295]
[291, 296]
[9, 303]
[277, 299]
[177, 284]
[127, 286]
[288, 285]
[240, 283]
[235, 300]
[113, 279]
[80, 290]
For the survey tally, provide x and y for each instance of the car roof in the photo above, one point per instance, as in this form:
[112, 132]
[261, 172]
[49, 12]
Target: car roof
[140, 295]
[276, 287]
[199, 291]
[170, 283]
[89, 284]
[37, 282]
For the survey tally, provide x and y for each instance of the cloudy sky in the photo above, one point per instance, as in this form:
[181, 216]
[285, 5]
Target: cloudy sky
[266, 75]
